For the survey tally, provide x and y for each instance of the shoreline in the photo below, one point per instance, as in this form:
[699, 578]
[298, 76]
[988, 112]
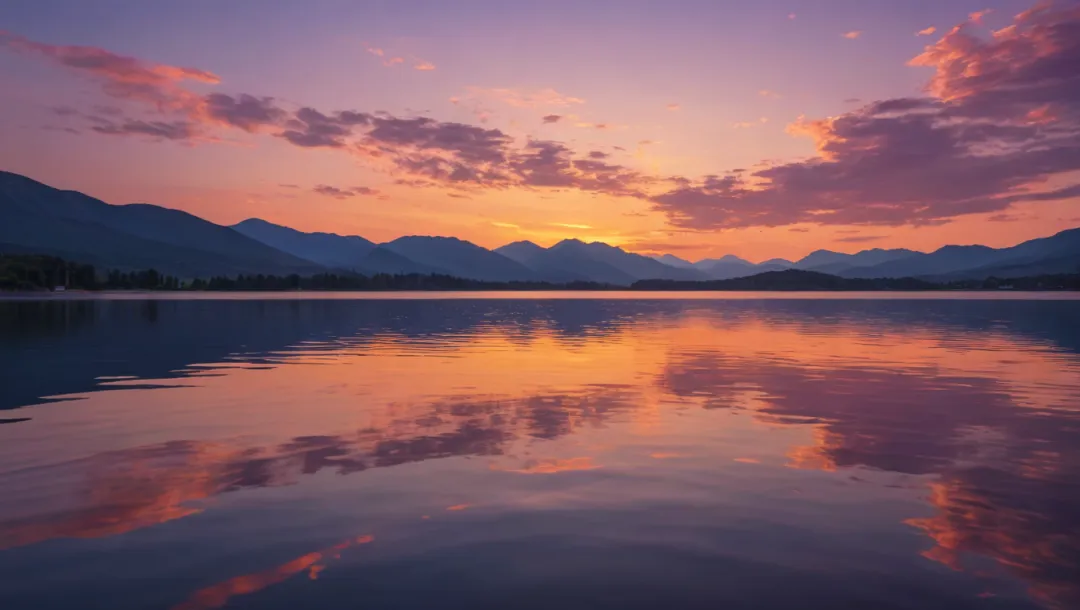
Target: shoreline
[569, 294]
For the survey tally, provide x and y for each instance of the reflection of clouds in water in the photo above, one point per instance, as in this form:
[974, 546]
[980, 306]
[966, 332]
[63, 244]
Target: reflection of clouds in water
[1007, 470]
[981, 401]
[216, 596]
[121, 491]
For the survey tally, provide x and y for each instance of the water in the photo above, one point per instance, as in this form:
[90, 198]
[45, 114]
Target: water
[535, 453]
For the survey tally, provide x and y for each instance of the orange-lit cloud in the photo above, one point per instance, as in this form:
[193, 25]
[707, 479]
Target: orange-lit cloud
[768, 93]
[852, 35]
[457, 507]
[978, 16]
[673, 106]
[387, 60]
[926, 31]
[423, 65]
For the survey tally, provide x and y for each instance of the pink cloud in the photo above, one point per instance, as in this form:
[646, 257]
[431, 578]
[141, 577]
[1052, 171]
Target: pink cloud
[852, 35]
[926, 31]
[971, 147]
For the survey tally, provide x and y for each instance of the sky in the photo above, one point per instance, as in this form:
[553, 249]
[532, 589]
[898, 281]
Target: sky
[764, 128]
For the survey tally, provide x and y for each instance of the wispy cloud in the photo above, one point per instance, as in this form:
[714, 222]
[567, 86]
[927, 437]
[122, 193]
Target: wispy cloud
[926, 31]
[344, 193]
[852, 35]
[390, 60]
[858, 239]
[769, 93]
[749, 124]
[551, 118]
[569, 225]
[978, 16]
[673, 106]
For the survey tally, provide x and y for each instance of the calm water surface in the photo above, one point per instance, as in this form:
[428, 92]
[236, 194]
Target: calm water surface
[540, 453]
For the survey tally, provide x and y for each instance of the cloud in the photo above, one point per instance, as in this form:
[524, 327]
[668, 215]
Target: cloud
[926, 31]
[121, 76]
[344, 193]
[167, 130]
[749, 124]
[387, 60]
[551, 118]
[596, 126]
[310, 128]
[799, 230]
[852, 35]
[978, 16]
[969, 147]
[791, 15]
[244, 111]
[422, 65]
[768, 93]
[858, 239]
[568, 225]
[673, 107]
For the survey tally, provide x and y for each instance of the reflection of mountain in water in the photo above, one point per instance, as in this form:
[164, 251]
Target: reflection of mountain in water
[50, 348]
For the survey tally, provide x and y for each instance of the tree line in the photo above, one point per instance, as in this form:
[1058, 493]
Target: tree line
[35, 272]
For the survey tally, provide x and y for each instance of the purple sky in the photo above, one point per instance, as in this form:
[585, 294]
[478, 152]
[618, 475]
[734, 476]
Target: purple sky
[405, 117]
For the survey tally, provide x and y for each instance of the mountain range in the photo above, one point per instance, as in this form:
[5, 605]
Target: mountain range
[36, 218]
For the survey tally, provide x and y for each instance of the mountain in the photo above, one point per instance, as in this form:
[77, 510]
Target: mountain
[673, 261]
[523, 252]
[459, 258]
[791, 279]
[780, 263]
[42, 219]
[726, 267]
[327, 249]
[596, 258]
[1059, 253]
[384, 260]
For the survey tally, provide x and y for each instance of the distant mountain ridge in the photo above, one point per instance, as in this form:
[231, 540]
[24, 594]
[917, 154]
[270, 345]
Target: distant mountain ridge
[39, 218]
[36, 218]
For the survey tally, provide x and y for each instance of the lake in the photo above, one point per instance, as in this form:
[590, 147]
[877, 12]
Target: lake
[607, 451]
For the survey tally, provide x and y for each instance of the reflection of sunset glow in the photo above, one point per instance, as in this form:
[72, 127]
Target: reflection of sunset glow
[218, 595]
[987, 413]
[553, 466]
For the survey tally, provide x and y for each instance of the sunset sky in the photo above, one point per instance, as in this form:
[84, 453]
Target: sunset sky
[759, 128]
